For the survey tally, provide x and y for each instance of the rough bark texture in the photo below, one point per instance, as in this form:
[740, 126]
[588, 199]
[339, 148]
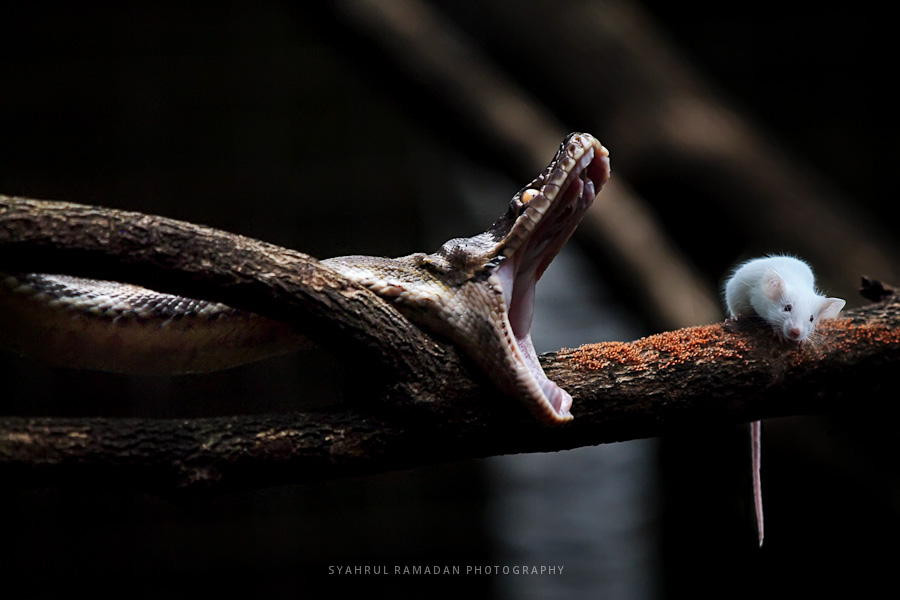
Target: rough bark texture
[712, 374]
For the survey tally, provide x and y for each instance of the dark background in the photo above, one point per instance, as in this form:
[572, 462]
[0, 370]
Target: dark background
[278, 121]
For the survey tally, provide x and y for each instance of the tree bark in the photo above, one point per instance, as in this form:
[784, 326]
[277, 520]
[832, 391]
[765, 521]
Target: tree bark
[431, 409]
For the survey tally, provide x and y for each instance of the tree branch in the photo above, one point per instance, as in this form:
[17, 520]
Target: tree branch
[714, 374]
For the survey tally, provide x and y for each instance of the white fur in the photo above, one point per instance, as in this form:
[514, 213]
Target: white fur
[767, 286]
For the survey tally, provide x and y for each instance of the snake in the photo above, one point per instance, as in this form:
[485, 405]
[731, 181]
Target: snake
[477, 292]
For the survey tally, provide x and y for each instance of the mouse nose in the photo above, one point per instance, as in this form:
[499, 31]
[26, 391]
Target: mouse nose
[794, 333]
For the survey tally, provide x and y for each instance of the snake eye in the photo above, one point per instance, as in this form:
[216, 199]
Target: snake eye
[529, 195]
[810, 318]
[788, 308]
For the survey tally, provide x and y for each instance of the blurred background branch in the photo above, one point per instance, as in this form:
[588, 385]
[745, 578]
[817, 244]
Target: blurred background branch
[431, 50]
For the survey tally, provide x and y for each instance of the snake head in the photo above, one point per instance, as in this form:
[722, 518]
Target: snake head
[496, 272]
[479, 291]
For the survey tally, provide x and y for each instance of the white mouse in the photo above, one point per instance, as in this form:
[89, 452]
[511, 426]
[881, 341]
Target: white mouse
[781, 290]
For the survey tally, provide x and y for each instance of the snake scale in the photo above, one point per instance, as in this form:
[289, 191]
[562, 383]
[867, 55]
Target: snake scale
[478, 292]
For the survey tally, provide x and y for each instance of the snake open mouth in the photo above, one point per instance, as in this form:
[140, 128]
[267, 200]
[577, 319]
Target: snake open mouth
[477, 292]
[548, 211]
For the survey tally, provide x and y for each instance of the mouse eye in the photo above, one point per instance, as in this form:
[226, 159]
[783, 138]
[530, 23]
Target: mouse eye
[788, 308]
[810, 318]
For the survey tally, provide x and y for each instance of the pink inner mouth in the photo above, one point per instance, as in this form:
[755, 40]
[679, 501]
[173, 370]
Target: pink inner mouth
[520, 272]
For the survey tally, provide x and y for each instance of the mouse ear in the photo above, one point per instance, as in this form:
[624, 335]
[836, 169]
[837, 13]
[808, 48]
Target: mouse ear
[773, 285]
[830, 308]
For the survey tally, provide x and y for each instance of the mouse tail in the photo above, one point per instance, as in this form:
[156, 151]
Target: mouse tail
[755, 453]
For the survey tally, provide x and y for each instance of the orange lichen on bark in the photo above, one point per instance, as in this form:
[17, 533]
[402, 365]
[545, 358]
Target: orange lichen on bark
[853, 333]
[694, 344]
[713, 342]
[843, 338]
[592, 357]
